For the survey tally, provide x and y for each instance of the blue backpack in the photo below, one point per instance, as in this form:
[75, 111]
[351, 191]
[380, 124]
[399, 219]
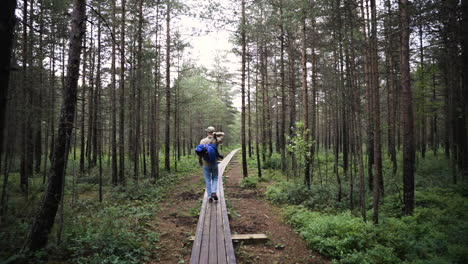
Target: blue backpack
[208, 152]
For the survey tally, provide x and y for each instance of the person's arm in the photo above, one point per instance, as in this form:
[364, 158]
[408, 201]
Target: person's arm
[218, 155]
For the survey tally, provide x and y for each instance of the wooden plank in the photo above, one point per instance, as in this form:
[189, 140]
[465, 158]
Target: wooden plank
[205, 245]
[213, 236]
[195, 256]
[250, 238]
[231, 258]
[221, 246]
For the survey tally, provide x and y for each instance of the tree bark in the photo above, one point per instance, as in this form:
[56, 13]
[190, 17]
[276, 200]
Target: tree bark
[378, 180]
[407, 111]
[122, 99]
[167, 157]
[305, 101]
[114, 104]
[243, 40]
[283, 95]
[7, 30]
[44, 220]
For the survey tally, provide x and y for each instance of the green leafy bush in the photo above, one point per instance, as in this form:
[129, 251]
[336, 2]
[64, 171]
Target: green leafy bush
[320, 198]
[250, 182]
[436, 233]
[272, 162]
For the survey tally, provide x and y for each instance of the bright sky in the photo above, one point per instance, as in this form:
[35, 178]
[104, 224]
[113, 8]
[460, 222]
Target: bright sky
[206, 45]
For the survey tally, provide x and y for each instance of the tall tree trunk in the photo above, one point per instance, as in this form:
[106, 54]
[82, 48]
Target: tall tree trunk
[305, 101]
[378, 180]
[139, 91]
[7, 29]
[283, 95]
[155, 113]
[464, 93]
[44, 220]
[244, 44]
[25, 172]
[83, 115]
[113, 103]
[391, 94]
[407, 111]
[292, 97]
[257, 121]
[122, 99]
[422, 110]
[167, 157]
[249, 109]
[38, 135]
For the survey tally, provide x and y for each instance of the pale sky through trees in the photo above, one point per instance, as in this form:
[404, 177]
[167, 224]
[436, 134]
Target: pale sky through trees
[212, 40]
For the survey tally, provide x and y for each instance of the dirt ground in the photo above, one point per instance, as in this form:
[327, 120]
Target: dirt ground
[253, 215]
[177, 219]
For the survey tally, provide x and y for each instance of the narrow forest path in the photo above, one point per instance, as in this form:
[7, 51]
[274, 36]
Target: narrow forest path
[254, 215]
[177, 219]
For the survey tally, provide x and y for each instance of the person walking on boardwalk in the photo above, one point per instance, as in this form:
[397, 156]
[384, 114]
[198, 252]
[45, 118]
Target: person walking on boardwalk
[208, 158]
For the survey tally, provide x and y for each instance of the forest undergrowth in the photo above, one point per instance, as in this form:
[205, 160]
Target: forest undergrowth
[435, 233]
[116, 230]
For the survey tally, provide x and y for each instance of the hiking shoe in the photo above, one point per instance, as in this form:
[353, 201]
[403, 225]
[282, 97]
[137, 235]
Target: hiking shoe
[214, 196]
[210, 200]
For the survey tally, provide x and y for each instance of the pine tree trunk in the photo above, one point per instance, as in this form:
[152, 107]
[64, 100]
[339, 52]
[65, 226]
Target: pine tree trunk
[139, 91]
[407, 111]
[44, 220]
[167, 157]
[305, 101]
[283, 95]
[463, 131]
[122, 99]
[378, 179]
[113, 103]
[244, 44]
[7, 29]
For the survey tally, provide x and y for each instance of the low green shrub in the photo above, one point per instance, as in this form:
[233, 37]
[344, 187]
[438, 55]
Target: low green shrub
[436, 233]
[272, 162]
[320, 198]
[250, 182]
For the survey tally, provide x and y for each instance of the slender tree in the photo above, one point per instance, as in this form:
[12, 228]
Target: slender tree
[122, 99]
[113, 103]
[407, 102]
[167, 156]
[305, 100]
[44, 220]
[244, 44]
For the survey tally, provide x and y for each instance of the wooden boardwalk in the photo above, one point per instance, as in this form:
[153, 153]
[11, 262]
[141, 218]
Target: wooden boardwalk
[213, 243]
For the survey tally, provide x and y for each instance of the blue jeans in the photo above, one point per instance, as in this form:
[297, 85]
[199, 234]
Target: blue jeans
[211, 178]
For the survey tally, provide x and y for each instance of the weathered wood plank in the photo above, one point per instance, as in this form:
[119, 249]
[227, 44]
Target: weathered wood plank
[213, 257]
[205, 245]
[195, 257]
[221, 243]
[231, 258]
[249, 238]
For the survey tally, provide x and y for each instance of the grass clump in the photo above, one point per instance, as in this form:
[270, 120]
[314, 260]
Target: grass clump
[249, 182]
